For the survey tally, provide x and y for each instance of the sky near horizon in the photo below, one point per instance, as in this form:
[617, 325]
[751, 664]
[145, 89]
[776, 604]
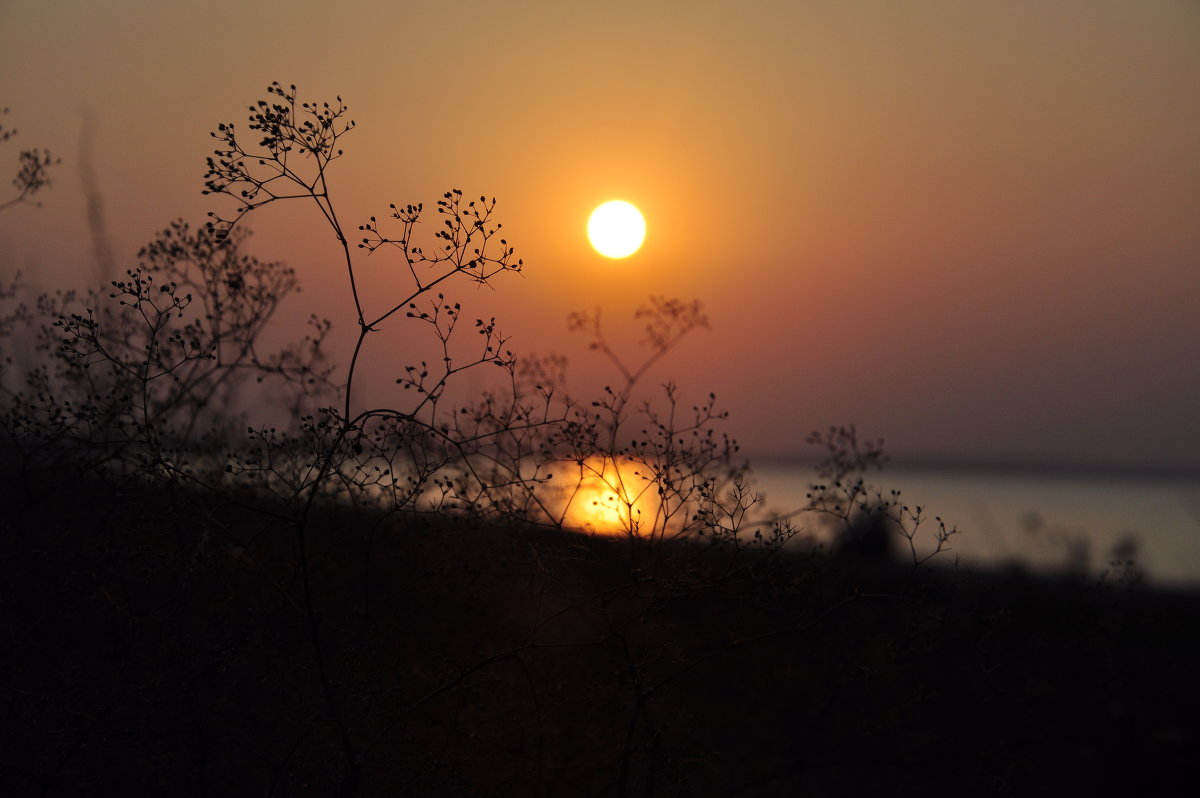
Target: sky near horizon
[970, 228]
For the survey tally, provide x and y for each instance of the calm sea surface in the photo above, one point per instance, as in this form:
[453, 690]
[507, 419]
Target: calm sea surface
[1041, 521]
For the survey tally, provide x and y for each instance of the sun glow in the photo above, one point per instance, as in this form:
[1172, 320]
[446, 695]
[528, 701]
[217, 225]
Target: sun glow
[608, 497]
[616, 229]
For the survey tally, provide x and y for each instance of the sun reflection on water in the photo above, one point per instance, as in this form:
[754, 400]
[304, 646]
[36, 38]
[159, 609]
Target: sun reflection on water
[608, 496]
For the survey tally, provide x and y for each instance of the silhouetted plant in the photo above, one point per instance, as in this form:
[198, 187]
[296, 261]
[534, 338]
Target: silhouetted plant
[143, 379]
[15, 316]
[297, 142]
[32, 176]
[526, 449]
[494, 457]
[865, 519]
[33, 170]
[671, 475]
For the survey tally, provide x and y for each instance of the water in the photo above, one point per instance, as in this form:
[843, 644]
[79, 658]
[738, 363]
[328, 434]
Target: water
[1041, 521]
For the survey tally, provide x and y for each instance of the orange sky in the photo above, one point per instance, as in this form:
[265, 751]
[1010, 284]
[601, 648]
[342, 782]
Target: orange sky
[972, 228]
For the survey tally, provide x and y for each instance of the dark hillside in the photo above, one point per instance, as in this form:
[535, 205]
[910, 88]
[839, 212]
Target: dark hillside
[157, 638]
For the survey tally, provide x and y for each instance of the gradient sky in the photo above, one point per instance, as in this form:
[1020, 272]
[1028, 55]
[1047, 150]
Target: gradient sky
[972, 228]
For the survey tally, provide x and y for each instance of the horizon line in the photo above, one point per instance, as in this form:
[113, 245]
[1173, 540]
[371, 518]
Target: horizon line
[984, 465]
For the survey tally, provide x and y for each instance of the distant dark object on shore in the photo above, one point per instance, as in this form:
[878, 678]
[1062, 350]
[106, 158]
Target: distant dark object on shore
[868, 539]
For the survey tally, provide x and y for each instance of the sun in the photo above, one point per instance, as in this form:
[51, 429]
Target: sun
[607, 495]
[616, 229]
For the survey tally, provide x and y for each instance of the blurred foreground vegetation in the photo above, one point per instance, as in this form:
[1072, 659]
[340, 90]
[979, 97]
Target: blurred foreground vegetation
[157, 640]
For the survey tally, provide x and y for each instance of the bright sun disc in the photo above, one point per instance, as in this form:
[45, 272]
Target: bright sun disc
[616, 229]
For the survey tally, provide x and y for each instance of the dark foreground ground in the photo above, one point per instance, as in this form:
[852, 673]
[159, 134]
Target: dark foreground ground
[158, 644]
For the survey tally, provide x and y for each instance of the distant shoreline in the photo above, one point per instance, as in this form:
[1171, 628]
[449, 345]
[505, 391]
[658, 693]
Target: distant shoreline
[1003, 467]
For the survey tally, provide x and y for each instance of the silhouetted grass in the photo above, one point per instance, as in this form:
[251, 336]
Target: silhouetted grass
[158, 640]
